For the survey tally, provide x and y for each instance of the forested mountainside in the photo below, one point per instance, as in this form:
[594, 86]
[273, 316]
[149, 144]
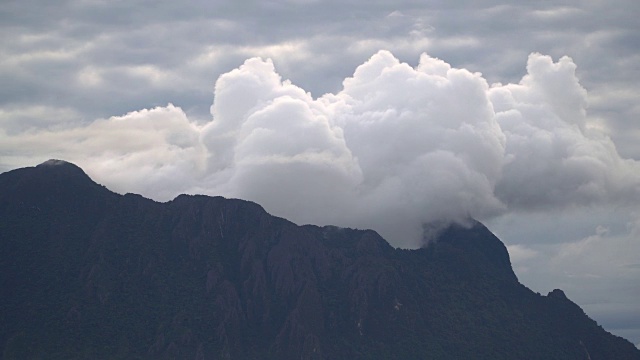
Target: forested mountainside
[87, 273]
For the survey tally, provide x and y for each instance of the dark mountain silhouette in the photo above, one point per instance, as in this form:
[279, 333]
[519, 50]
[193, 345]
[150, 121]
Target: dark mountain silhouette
[89, 274]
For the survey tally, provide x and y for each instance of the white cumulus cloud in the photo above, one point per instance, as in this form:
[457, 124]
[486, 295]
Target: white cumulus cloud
[396, 148]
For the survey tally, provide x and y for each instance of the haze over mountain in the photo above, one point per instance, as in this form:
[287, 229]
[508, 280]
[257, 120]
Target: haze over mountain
[88, 273]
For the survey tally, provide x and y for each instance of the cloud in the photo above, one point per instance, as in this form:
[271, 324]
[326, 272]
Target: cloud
[275, 142]
[553, 157]
[520, 253]
[155, 152]
[397, 147]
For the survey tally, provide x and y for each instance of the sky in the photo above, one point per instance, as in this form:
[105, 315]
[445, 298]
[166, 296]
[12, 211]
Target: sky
[398, 116]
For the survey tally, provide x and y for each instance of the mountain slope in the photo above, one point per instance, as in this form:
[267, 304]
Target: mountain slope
[87, 273]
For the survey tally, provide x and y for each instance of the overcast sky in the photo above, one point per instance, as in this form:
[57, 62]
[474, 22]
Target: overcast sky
[378, 114]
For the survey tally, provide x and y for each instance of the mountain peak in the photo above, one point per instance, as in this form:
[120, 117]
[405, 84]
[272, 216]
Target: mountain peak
[55, 162]
[557, 294]
[62, 167]
[52, 179]
[477, 243]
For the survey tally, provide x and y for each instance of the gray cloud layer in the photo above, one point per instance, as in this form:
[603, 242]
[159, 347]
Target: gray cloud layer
[76, 54]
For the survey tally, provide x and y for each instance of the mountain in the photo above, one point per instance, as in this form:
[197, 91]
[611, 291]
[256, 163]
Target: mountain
[89, 274]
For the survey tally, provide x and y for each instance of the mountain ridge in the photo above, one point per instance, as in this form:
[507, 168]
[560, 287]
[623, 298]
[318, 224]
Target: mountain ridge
[93, 274]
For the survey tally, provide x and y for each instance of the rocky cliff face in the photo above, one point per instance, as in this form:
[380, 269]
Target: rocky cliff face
[87, 273]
